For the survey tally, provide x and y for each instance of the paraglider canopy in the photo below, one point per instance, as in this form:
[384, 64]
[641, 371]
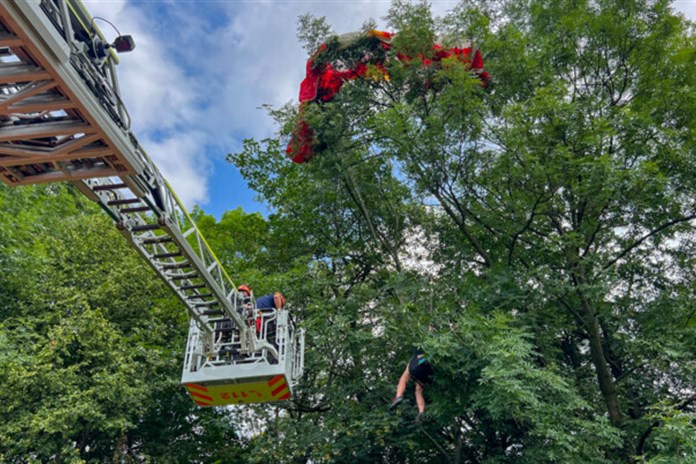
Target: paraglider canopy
[325, 76]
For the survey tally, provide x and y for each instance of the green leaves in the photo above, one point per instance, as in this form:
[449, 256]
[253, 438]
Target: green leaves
[90, 343]
[553, 210]
[312, 32]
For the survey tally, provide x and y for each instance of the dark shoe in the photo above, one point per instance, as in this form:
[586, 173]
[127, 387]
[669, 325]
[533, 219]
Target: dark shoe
[419, 418]
[396, 402]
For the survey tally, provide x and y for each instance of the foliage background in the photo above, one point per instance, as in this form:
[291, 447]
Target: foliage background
[534, 237]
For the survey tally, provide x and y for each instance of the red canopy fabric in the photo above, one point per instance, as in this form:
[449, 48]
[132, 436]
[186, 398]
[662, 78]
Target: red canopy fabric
[322, 83]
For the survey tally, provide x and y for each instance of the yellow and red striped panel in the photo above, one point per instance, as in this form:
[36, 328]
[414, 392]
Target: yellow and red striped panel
[273, 389]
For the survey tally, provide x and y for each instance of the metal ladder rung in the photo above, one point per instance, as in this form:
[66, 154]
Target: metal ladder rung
[182, 265]
[145, 227]
[101, 188]
[207, 304]
[124, 201]
[137, 209]
[192, 287]
[199, 296]
[156, 240]
[190, 275]
[167, 255]
[213, 312]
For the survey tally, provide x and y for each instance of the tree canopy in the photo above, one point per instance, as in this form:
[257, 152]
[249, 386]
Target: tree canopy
[91, 344]
[535, 236]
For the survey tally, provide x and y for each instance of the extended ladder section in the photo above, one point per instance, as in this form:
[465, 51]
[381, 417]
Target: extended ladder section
[62, 119]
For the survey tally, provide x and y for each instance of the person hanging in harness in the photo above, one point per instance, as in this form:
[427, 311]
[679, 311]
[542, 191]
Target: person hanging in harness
[421, 371]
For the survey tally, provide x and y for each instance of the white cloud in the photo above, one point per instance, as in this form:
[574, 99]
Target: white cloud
[154, 86]
[183, 163]
[161, 99]
[686, 7]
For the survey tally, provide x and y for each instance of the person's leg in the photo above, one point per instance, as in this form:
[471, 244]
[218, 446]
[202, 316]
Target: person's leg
[400, 389]
[403, 381]
[420, 399]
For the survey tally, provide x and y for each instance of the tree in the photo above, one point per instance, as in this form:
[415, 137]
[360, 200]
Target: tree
[557, 211]
[91, 344]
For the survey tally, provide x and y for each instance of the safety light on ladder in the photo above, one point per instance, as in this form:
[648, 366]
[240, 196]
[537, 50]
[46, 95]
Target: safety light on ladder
[124, 43]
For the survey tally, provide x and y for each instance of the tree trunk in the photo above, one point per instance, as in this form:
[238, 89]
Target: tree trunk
[588, 318]
[604, 377]
[458, 444]
[121, 449]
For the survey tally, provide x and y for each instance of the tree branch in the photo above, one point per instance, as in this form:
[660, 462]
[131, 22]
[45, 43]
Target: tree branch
[652, 233]
[437, 445]
[357, 198]
[460, 223]
[524, 228]
[596, 230]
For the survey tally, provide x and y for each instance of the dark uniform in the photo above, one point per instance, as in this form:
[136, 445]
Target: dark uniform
[420, 369]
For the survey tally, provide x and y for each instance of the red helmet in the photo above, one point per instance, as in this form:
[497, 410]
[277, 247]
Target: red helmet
[245, 288]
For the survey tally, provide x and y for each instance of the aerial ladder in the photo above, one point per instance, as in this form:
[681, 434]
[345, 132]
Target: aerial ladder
[62, 120]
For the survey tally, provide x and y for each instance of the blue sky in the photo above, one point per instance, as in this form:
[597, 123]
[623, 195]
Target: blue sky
[202, 68]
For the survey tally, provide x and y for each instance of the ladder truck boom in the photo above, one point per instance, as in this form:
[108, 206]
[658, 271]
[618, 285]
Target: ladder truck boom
[62, 119]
